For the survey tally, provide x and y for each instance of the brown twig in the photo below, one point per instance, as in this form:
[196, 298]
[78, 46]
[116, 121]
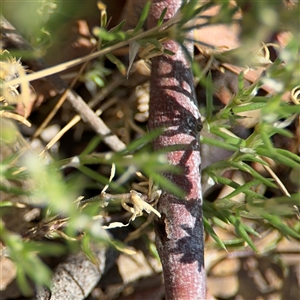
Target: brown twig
[179, 232]
[76, 276]
[86, 113]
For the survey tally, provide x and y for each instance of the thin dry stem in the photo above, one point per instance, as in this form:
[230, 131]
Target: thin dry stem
[86, 113]
[67, 65]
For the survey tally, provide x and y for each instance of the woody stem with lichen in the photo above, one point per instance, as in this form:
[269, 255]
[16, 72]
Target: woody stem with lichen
[179, 231]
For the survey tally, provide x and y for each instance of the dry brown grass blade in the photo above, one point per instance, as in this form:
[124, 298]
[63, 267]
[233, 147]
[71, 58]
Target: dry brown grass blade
[89, 116]
[16, 39]
[58, 105]
[9, 115]
[48, 71]
[73, 122]
[86, 113]
[279, 183]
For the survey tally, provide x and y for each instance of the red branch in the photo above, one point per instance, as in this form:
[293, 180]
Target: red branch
[179, 232]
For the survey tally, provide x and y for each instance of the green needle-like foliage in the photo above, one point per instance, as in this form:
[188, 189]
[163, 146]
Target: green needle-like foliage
[28, 181]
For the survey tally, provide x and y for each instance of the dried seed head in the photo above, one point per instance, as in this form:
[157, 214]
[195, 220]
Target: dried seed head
[20, 94]
[10, 68]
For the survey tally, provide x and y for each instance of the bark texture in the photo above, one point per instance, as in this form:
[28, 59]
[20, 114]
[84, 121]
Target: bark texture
[179, 232]
[76, 277]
